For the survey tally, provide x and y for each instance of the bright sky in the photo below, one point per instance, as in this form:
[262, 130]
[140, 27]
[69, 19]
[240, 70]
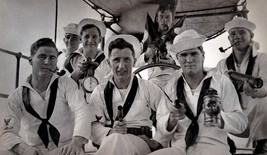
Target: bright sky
[25, 21]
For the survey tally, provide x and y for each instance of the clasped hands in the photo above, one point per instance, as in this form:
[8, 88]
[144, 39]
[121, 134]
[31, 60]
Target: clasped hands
[119, 127]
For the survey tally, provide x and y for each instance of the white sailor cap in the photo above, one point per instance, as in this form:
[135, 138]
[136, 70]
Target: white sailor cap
[97, 23]
[71, 28]
[187, 40]
[240, 22]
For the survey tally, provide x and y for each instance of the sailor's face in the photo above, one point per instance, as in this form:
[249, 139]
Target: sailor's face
[240, 35]
[90, 39]
[121, 62]
[191, 61]
[164, 20]
[71, 41]
[44, 61]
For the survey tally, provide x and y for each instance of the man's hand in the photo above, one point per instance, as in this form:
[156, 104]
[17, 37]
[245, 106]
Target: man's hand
[226, 73]
[82, 68]
[85, 64]
[254, 92]
[24, 149]
[75, 147]
[177, 113]
[168, 59]
[119, 127]
[150, 52]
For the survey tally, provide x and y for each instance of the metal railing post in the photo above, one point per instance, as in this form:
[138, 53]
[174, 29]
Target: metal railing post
[18, 57]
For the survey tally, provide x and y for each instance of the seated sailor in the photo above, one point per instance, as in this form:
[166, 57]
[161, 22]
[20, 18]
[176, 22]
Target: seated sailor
[45, 110]
[130, 134]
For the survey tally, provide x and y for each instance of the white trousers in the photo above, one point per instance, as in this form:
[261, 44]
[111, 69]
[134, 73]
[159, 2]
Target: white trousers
[53, 152]
[197, 149]
[126, 144]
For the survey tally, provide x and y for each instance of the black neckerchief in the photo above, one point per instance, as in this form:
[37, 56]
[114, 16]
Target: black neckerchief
[230, 63]
[42, 130]
[68, 66]
[108, 94]
[192, 131]
[231, 66]
[67, 63]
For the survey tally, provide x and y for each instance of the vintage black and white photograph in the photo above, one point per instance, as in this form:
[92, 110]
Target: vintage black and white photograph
[133, 77]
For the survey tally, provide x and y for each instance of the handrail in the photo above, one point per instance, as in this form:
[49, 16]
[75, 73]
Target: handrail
[13, 53]
[3, 95]
[18, 56]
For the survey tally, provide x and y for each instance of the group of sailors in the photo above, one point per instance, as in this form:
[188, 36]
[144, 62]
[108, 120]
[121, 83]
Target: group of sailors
[101, 100]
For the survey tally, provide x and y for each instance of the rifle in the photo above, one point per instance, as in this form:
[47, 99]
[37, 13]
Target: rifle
[155, 37]
[255, 82]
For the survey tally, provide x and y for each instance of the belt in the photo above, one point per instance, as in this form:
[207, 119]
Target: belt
[143, 130]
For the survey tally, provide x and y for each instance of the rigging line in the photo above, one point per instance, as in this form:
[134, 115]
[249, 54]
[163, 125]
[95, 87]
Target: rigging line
[131, 3]
[223, 7]
[56, 16]
[97, 8]
[211, 14]
[215, 35]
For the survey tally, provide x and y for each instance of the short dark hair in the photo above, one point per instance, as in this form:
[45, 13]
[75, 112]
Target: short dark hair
[120, 43]
[89, 26]
[166, 6]
[40, 43]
